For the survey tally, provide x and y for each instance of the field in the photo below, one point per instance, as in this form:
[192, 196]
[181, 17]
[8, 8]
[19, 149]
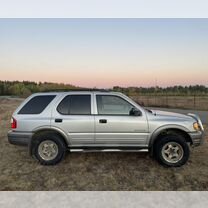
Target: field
[180, 102]
[94, 171]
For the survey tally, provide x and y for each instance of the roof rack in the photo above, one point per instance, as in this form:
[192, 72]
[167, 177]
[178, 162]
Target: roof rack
[81, 89]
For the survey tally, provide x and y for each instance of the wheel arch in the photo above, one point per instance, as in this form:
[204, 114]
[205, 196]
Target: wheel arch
[157, 134]
[45, 130]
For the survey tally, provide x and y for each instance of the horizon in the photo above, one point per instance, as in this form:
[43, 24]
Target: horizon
[85, 87]
[103, 53]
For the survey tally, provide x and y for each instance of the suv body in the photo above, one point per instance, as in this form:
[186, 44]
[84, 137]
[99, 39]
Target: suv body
[101, 120]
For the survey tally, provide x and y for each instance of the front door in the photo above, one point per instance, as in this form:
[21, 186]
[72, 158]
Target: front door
[115, 126]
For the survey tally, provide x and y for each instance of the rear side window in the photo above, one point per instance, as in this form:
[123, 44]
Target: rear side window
[37, 104]
[75, 105]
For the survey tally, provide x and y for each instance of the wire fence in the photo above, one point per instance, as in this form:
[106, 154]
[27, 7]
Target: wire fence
[183, 102]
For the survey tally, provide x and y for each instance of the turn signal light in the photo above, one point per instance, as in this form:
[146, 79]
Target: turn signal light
[196, 126]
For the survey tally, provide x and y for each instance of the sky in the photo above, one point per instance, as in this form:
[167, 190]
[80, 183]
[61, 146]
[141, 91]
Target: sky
[105, 52]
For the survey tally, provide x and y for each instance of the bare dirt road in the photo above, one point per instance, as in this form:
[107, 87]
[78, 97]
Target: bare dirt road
[94, 171]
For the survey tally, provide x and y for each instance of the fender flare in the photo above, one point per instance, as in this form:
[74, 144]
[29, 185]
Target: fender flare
[47, 128]
[154, 135]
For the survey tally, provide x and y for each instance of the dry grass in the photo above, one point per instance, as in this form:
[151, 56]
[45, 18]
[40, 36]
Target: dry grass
[187, 102]
[95, 171]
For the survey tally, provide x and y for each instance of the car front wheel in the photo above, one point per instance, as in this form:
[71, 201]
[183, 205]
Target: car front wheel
[172, 151]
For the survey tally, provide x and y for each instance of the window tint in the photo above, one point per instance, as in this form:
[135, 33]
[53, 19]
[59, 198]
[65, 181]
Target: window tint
[75, 105]
[112, 105]
[37, 104]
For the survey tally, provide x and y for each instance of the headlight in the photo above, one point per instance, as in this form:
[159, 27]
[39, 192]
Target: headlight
[196, 126]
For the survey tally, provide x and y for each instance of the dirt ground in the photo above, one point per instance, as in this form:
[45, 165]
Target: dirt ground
[94, 171]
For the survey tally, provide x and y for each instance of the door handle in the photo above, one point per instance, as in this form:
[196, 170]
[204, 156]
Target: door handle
[58, 120]
[102, 121]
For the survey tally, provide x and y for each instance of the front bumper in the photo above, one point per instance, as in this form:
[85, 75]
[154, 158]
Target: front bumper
[19, 138]
[197, 138]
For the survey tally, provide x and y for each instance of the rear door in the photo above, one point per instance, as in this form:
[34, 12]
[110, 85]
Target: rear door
[114, 124]
[74, 116]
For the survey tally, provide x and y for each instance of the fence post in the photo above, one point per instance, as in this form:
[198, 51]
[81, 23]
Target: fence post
[147, 98]
[194, 101]
[155, 97]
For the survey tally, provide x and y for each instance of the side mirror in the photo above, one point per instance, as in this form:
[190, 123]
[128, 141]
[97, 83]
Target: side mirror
[135, 112]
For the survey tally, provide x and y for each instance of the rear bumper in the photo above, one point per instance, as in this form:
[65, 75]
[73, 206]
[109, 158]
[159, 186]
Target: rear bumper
[197, 138]
[19, 138]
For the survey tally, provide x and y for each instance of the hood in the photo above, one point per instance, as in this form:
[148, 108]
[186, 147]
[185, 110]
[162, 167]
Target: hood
[171, 114]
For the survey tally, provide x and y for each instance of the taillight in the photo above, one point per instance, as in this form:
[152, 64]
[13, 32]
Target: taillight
[13, 123]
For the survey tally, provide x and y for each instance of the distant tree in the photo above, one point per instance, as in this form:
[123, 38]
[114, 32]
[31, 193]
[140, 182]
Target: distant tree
[25, 88]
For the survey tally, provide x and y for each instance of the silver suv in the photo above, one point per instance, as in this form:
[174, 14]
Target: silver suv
[51, 123]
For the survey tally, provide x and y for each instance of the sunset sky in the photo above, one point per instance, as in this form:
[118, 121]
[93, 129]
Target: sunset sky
[105, 52]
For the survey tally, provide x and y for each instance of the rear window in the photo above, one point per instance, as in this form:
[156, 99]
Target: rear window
[37, 104]
[75, 105]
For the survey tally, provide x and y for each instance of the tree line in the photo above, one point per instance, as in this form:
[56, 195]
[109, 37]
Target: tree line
[172, 90]
[25, 88]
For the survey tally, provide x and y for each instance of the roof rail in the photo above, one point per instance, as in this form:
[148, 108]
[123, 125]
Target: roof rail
[81, 89]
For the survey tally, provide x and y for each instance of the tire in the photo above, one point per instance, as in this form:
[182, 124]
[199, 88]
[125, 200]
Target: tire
[172, 150]
[48, 148]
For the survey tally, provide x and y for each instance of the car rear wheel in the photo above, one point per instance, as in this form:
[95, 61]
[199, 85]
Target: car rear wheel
[172, 151]
[49, 149]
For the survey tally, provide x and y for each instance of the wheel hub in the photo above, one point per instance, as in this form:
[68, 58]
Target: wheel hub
[48, 150]
[172, 152]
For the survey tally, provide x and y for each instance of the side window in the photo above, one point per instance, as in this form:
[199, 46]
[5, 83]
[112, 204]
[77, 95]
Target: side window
[37, 104]
[75, 105]
[112, 105]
